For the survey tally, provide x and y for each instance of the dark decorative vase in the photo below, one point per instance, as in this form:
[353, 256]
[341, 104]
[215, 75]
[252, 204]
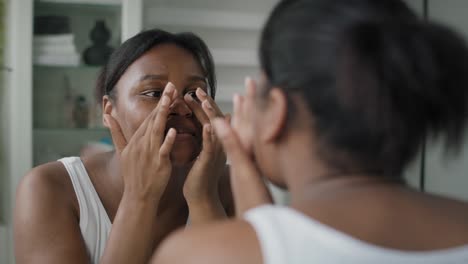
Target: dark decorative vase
[99, 52]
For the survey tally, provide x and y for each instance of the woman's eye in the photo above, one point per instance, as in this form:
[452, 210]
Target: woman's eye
[155, 94]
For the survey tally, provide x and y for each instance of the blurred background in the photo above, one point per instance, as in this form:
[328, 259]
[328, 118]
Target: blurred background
[51, 52]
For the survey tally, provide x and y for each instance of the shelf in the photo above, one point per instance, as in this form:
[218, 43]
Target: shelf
[83, 2]
[163, 16]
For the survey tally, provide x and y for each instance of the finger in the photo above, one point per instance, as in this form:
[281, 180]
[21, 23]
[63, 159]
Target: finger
[250, 87]
[251, 91]
[208, 146]
[170, 92]
[166, 147]
[237, 109]
[227, 118]
[116, 133]
[207, 140]
[160, 122]
[147, 126]
[230, 142]
[210, 110]
[202, 96]
[156, 127]
[174, 94]
[248, 187]
[196, 109]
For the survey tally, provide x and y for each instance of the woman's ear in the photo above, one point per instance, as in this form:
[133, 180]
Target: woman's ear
[107, 108]
[274, 116]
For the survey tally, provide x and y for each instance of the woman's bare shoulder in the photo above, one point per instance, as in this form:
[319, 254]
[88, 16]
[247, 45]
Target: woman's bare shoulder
[48, 176]
[46, 183]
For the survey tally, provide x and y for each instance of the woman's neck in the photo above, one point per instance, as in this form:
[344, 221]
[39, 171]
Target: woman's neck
[308, 176]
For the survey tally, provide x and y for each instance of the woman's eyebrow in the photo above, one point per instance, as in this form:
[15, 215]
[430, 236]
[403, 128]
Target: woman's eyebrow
[195, 78]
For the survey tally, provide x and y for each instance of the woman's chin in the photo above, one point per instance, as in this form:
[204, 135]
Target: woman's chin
[185, 156]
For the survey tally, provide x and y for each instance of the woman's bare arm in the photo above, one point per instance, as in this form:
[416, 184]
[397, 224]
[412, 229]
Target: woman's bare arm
[46, 225]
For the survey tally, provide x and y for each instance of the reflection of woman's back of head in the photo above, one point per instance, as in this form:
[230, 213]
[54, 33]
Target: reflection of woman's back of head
[376, 78]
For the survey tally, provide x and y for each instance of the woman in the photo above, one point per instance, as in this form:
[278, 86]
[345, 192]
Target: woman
[167, 163]
[349, 91]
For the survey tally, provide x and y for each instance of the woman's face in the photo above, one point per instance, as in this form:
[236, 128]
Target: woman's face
[139, 90]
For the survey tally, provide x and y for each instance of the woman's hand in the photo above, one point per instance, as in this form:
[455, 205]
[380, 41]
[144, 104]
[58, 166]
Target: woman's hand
[145, 163]
[201, 185]
[249, 188]
[145, 167]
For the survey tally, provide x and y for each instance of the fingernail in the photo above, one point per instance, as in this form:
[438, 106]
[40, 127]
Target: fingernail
[165, 101]
[169, 87]
[188, 97]
[247, 81]
[172, 131]
[202, 93]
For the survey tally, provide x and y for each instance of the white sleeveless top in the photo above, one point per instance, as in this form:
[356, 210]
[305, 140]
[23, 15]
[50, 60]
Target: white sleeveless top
[288, 236]
[94, 221]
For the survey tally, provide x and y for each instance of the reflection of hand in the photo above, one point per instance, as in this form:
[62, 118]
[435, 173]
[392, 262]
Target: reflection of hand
[201, 185]
[248, 187]
[145, 160]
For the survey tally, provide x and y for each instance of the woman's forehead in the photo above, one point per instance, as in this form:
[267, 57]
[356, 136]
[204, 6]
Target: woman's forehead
[165, 61]
[165, 58]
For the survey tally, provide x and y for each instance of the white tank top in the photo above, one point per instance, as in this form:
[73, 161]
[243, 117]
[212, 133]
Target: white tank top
[94, 221]
[288, 236]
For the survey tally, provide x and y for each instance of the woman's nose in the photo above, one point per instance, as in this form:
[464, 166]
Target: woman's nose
[180, 107]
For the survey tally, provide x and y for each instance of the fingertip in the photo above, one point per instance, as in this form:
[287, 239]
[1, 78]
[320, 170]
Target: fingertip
[201, 93]
[172, 132]
[188, 98]
[169, 88]
[247, 81]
